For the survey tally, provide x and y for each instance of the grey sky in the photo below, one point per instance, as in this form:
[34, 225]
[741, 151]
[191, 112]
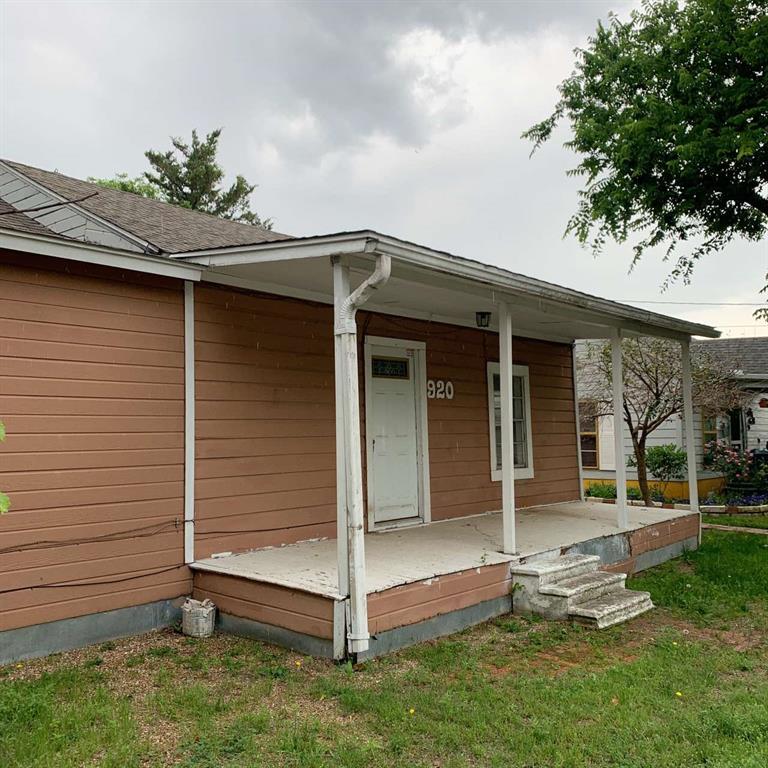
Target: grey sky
[399, 116]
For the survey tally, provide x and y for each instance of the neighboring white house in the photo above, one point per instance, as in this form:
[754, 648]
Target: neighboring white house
[744, 428]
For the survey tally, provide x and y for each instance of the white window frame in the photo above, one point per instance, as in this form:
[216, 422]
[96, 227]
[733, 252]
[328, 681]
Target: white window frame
[521, 473]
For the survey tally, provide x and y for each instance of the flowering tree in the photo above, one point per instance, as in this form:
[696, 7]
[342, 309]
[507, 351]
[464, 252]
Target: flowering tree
[653, 389]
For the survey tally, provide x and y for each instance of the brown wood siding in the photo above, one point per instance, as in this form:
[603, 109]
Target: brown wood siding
[292, 609]
[265, 426]
[459, 432]
[92, 396]
[412, 603]
[266, 421]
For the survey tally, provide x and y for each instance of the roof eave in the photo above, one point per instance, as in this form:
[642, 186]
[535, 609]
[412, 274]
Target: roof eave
[505, 282]
[77, 250]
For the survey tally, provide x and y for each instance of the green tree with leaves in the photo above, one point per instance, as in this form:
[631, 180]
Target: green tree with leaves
[190, 176]
[137, 185]
[669, 115]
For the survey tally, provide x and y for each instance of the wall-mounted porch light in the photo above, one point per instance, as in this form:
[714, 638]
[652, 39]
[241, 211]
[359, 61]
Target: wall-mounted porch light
[483, 319]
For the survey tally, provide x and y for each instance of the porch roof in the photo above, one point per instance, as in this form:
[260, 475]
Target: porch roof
[431, 284]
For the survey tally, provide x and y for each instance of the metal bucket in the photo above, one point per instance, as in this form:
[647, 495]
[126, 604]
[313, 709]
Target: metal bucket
[197, 618]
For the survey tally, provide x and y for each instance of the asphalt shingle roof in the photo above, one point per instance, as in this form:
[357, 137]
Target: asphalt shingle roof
[748, 355]
[170, 228]
[10, 218]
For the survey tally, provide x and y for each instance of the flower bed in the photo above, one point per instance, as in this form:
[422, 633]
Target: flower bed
[705, 507]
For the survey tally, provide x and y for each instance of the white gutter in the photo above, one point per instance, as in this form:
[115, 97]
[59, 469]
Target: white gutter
[345, 330]
[548, 295]
[278, 250]
[76, 250]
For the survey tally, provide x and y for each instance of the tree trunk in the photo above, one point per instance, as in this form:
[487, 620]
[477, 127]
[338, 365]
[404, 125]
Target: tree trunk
[642, 471]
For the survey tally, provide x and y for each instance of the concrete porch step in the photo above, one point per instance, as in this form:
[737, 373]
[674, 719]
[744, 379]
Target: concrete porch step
[586, 587]
[610, 609]
[557, 569]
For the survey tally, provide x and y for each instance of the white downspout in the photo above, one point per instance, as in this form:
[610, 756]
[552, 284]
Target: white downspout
[189, 421]
[345, 330]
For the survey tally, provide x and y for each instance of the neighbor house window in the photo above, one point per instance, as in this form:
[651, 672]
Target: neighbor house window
[521, 420]
[588, 434]
[708, 429]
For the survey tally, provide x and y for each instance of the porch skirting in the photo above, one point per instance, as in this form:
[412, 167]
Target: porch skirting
[407, 608]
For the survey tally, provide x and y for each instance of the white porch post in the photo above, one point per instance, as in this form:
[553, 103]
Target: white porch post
[577, 419]
[690, 439]
[347, 387]
[507, 437]
[189, 421]
[340, 293]
[617, 375]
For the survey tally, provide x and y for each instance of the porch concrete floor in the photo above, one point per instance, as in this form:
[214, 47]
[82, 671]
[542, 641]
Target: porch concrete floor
[406, 555]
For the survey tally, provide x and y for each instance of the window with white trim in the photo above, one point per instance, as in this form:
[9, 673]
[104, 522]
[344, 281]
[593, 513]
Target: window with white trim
[521, 420]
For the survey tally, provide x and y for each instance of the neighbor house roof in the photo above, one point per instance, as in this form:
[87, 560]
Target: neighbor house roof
[748, 356]
[169, 228]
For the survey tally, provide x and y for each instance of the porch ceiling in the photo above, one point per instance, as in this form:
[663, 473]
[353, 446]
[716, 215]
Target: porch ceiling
[433, 285]
[312, 279]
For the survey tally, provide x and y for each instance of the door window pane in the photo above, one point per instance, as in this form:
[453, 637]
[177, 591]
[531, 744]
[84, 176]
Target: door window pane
[389, 368]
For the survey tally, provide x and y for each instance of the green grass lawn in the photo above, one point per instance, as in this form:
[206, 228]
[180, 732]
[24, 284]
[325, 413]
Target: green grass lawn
[686, 685]
[745, 521]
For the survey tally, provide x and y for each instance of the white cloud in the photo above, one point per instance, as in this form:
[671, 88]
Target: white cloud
[406, 118]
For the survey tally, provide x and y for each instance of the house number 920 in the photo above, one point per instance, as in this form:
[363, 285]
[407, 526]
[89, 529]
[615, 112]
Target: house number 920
[437, 389]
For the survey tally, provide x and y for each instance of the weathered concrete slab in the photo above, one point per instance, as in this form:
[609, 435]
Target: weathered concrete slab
[407, 555]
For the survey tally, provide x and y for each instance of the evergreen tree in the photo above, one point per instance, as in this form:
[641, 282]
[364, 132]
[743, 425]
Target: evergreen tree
[189, 175]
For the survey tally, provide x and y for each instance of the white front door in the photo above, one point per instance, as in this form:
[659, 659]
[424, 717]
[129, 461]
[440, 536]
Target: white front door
[393, 439]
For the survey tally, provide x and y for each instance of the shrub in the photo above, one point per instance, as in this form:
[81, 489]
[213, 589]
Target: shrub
[666, 462]
[608, 491]
[602, 491]
[735, 465]
[760, 478]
